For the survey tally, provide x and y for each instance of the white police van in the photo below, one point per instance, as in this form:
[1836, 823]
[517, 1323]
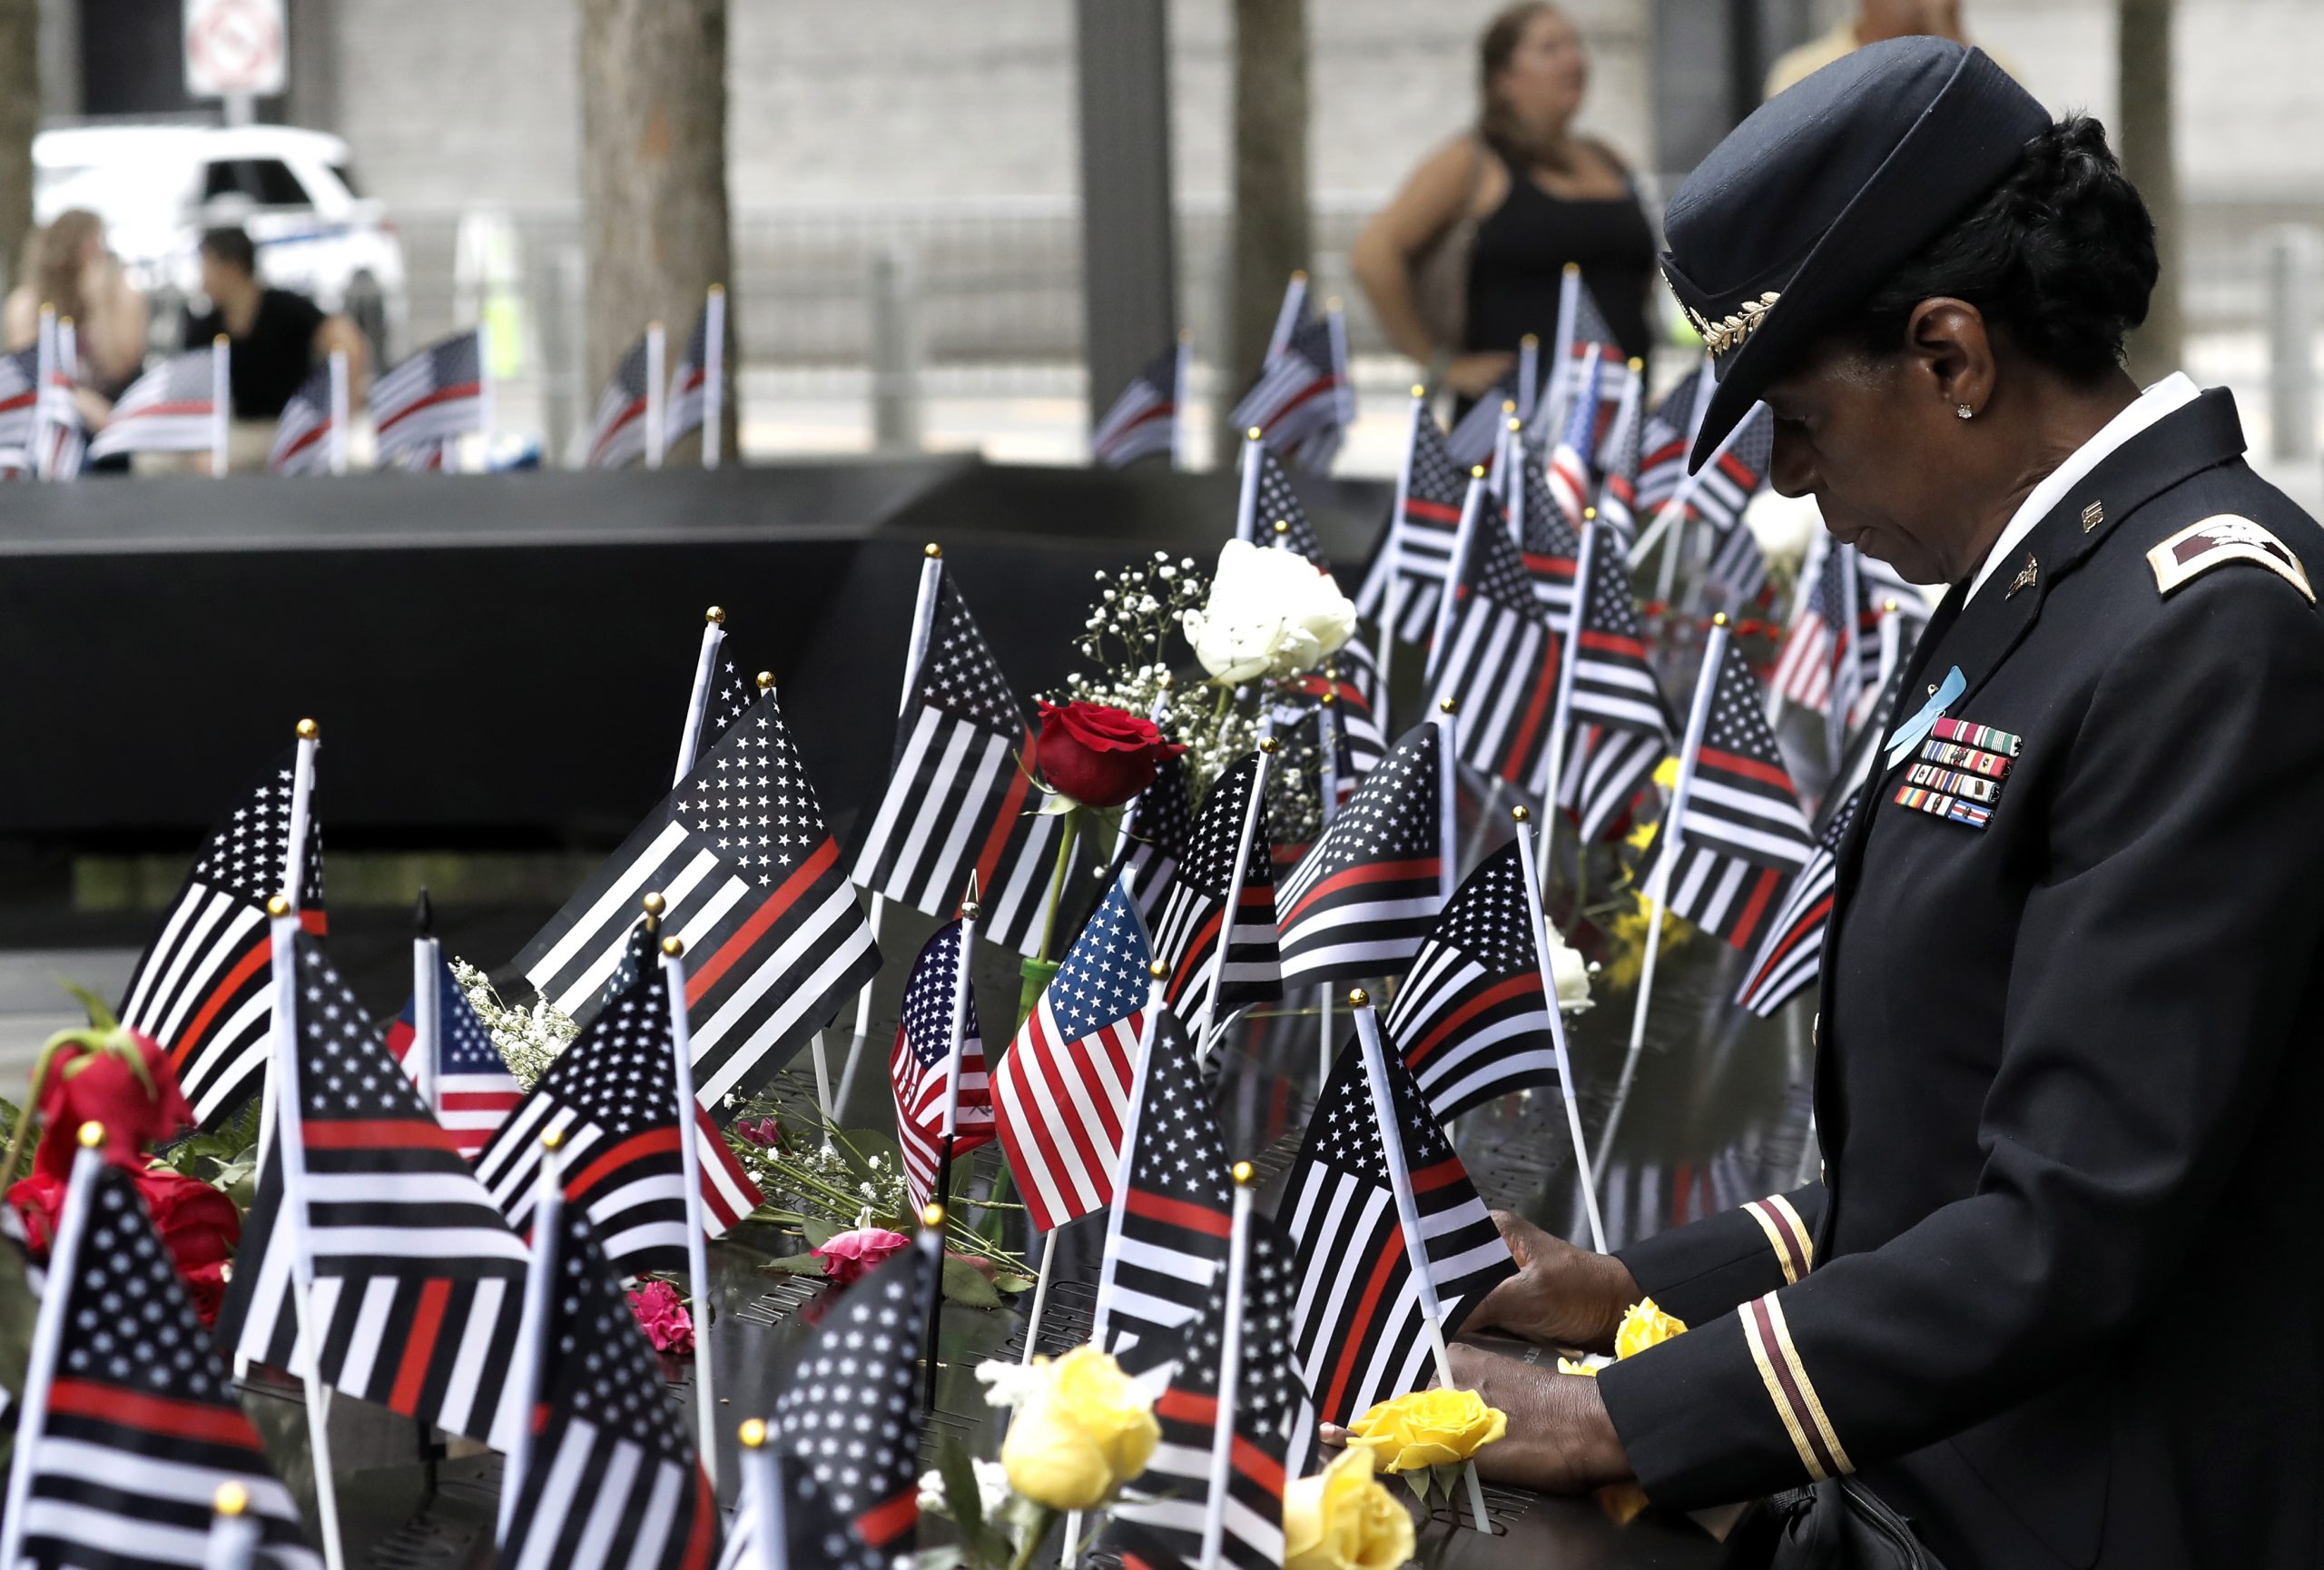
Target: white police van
[158, 185]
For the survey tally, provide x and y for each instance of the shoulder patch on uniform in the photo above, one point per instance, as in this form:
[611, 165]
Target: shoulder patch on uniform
[2222, 537]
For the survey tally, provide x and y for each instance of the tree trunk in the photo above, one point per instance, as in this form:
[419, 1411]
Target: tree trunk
[1271, 218]
[653, 178]
[19, 118]
[2147, 139]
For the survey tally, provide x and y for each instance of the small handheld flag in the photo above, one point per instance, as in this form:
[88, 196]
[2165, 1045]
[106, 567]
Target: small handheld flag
[1060, 1093]
[129, 1427]
[1394, 1246]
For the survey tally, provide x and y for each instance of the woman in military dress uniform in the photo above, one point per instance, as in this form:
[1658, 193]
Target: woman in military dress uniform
[2054, 1301]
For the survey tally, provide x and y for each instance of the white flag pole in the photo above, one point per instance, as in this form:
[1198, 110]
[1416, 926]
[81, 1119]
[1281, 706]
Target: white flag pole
[48, 1332]
[294, 879]
[1499, 473]
[924, 624]
[1448, 754]
[762, 1494]
[341, 398]
[484, 404]
[949, 1127]
[1627, 412]
[233, 1536]
[44, 361]
[532, 1334]
[1134, 1114]
[1554, 402]
[1182, 394]
[1582, 1168]
[1528, 375]
[1246, 498]
[1672, 842]
[1511, 465]
[1286, 316]
[713, 375]
[1230, 1373]
[1400, 1180]
[1336, 320]
[1562, 711]
[706, 1404]
[291, 1223]
[427, 1013]
[706, 675]
[222, 399]
[656, 394]
[1327, 733]
[1207, 1015]
[1439, 641]
[1392, 623]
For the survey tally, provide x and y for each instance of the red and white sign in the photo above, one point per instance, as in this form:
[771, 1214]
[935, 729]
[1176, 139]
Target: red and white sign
[235, 48]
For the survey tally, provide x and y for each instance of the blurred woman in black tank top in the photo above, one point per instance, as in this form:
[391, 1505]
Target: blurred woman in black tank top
[1522, 195]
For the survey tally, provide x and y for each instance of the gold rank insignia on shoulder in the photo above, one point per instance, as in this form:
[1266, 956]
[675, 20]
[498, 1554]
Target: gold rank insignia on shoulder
[2222, 537]
[2027, 577]
[2092, 516]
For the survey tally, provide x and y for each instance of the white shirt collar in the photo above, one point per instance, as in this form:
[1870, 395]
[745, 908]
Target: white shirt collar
[2170, 395]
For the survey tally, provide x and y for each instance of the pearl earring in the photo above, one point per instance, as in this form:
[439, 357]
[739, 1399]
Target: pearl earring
[1963, 410]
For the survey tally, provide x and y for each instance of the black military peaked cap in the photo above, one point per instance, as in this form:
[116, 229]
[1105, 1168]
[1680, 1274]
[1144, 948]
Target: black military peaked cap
[1816, 197]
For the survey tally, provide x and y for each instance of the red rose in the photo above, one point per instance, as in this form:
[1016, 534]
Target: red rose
[207, 1288]
[99, 1086]
[197, 1224]
[1099, 756]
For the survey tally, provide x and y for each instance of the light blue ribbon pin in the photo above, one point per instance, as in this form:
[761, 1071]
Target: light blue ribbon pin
[1909, 735]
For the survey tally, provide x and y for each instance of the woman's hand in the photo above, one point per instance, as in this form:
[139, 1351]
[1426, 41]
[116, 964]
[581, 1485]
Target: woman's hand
[1473, 375]
[1559, 1438]
[1561, 1295]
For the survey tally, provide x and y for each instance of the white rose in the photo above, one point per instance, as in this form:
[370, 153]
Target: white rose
[1270, 613]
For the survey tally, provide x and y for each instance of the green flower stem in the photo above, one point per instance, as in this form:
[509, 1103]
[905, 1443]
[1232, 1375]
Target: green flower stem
[1057, 877]
[1033, 1536]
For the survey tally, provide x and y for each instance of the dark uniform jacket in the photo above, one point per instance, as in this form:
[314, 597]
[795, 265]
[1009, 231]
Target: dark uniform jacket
[2057, 1297]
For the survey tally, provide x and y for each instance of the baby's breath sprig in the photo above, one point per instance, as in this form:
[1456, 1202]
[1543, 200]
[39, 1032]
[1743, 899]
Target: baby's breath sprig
[529, 1040]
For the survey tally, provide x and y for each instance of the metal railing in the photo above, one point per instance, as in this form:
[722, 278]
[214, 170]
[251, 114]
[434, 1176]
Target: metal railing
[986, 295]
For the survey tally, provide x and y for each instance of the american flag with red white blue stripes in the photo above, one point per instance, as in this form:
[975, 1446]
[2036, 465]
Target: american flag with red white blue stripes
[1059, 1094]
[920, 1063]
[474, 1091]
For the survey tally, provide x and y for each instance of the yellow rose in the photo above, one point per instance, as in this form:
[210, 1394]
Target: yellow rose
[1645, 1326]
[1568, 1366]
[1428, 1428]
[1079, 1435]
[1341, 1519]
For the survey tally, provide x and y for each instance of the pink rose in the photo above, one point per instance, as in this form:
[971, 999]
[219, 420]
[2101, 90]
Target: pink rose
[663, 1315]
[764, 1132]
[848, 1255]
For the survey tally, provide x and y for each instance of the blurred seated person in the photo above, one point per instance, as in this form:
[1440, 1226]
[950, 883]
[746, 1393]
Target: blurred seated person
[276, 336]
[1872, 21]
[68, 265]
